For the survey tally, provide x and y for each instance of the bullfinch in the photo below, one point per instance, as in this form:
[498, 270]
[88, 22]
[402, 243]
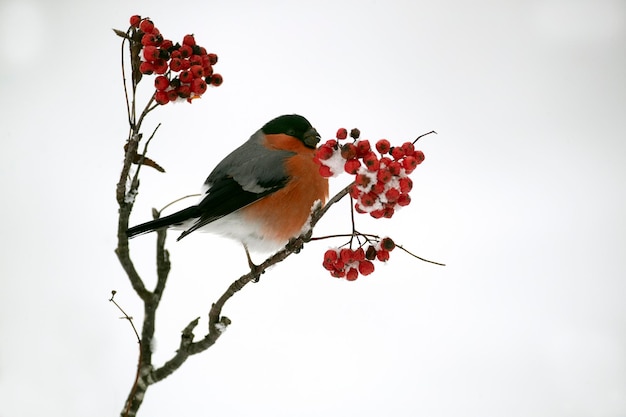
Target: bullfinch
[262, 193]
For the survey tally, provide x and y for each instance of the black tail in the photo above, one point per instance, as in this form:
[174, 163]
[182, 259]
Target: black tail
[176, 218]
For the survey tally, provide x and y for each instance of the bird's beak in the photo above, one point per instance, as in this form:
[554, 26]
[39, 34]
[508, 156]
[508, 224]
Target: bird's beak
[311, 138]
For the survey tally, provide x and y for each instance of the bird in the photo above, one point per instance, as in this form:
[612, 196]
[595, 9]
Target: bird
[261, 194]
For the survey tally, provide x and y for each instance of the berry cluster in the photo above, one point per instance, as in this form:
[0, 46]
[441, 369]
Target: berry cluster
[190, 62]
[381, 178]
[349, 263]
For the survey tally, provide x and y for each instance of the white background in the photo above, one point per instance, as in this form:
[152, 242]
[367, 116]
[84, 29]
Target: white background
[522, 195]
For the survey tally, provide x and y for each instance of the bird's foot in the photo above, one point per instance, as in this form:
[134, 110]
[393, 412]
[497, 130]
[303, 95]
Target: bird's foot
[254, 268]
[295, 245]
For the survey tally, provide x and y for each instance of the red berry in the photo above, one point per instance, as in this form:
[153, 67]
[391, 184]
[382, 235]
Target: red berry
[392, 195]
[369, 199]
[382, 255]
[160, 66]
[341, 134]
[408, 148]
[388, 210]
[383, 146]
[195, 60]
[355, 192]
[383, 175]
[378, 188]
[359, 255]
[394, 167]
[419, 156]
[176, 64]
[208, 70]
[166, 44]
[185, 77]
[325, 171]
[146, 68]
[371, 161]
[385, 161]
[409, 163]
[359, 209]
[185, 64]
[338, 274]
[161, 97]
[352, 166]
[172, 95]
[150, 53]
[212, 59]
[366, 267]
[346, 255]
[198, 86]
[348, 151]
[332, 142]
[404, 200]
[175, 54]
[397, 152]
[339, 264]
[362, 180]
[330, 256]
[324, 152]
[377, 214]
[135, 20]
[216, 80]
[161, 82]
[183, 91]
[189, 40]
[202, 51]
[406, 184]
[185, 51]
[149, 40]
[352, 274]
[146, 26]
[196, 71]
[362, 148]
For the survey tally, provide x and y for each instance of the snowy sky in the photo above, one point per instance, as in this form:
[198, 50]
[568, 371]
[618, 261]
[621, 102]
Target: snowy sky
[522, 195]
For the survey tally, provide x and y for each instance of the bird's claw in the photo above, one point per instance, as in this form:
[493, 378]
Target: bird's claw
[254, 268]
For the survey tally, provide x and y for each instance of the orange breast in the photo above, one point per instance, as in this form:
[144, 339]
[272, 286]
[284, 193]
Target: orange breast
[281, 215]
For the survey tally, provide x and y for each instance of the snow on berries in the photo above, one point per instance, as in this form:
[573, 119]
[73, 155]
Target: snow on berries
[381, 181]
[184, 70]
[381, 185]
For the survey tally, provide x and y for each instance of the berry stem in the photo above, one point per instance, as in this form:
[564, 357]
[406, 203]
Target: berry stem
[415, 256]
[424, 134]
[352, 220]
[128, 111]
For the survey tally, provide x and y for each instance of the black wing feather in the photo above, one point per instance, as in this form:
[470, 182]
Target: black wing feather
[176, 218]
[227, 196]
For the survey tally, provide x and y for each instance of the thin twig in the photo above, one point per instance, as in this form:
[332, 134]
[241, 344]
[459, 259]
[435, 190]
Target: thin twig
[420, 258]
[423, 134]
[139, 362]
[126, 316]
[124, 83]
[176, 201]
